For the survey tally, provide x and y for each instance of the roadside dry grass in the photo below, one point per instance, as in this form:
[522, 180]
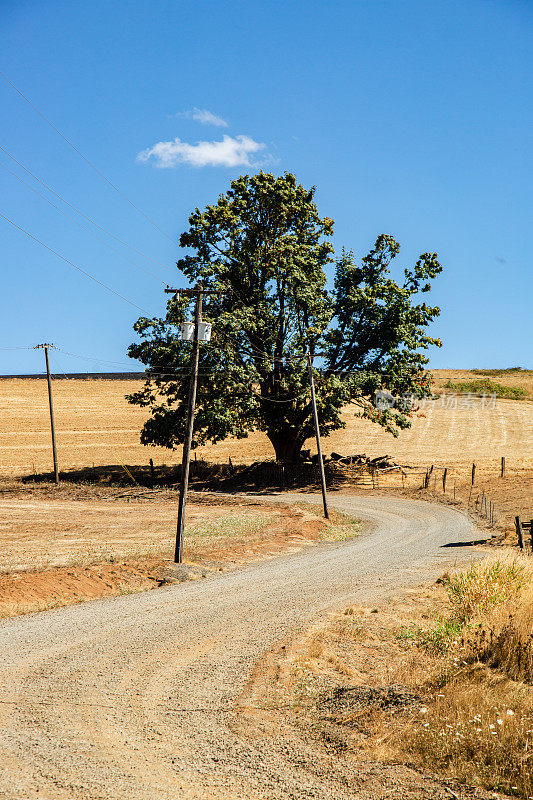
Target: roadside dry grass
[440, 679]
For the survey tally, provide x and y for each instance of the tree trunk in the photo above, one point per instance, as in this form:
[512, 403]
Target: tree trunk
[287, 445]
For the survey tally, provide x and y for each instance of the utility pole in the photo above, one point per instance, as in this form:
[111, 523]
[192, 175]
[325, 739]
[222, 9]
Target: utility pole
[317, 434]
[198, 292]
[51, 404]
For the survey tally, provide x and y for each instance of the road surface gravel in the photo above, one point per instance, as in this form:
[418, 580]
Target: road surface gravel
[134, 697]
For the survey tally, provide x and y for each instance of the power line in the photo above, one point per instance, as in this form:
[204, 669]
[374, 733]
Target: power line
[83, 227]
[72, 264]
[151, 221]
[78, 211]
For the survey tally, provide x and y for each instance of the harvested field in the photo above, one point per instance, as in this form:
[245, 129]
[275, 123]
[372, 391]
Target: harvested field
[95, 425]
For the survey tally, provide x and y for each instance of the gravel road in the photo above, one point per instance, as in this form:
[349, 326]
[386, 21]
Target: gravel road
[134, 697]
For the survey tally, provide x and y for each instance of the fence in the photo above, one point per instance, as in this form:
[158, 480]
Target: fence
[520, 526]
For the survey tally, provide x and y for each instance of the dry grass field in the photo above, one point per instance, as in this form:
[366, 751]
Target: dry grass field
[95, 425]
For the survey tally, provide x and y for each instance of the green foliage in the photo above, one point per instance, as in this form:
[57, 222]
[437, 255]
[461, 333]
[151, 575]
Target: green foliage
[265, 249]
[437, 639]
[486, 386]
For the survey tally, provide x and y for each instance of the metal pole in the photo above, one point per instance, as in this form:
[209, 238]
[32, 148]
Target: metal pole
[188, 434]
[317, 434]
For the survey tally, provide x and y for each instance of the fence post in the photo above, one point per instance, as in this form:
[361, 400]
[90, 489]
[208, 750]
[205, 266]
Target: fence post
[152, 470]
[531, 532]
[503, 467]
[518, 527]
[482, 501]
[473, 473]
[444, 476]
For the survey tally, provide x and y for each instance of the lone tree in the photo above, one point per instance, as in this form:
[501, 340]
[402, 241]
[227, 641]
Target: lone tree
[265, 248]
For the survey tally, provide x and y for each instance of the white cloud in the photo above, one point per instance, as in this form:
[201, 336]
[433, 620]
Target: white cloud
[230, 152]
[202, 115]
[206, 117]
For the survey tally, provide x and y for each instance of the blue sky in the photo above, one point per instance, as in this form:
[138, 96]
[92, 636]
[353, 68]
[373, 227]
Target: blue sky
[412, 118]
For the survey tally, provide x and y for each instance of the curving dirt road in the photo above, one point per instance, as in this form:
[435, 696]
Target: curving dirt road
[135, 697]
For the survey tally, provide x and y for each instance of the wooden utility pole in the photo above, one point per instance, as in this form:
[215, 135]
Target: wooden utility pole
[198, 292]
[51, 404]
[317, 434]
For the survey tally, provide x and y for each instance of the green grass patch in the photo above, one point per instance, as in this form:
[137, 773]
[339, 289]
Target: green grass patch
[341, 531]
[482, 386]
[496, 373]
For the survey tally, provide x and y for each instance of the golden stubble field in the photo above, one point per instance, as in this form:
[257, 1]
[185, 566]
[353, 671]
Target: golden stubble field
[95, 425]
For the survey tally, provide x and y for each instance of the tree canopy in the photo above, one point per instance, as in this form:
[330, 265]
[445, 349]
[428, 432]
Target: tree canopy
[264, 249]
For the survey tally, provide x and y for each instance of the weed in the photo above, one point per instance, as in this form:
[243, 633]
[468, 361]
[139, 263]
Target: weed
[478, 726]
[476, 731]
